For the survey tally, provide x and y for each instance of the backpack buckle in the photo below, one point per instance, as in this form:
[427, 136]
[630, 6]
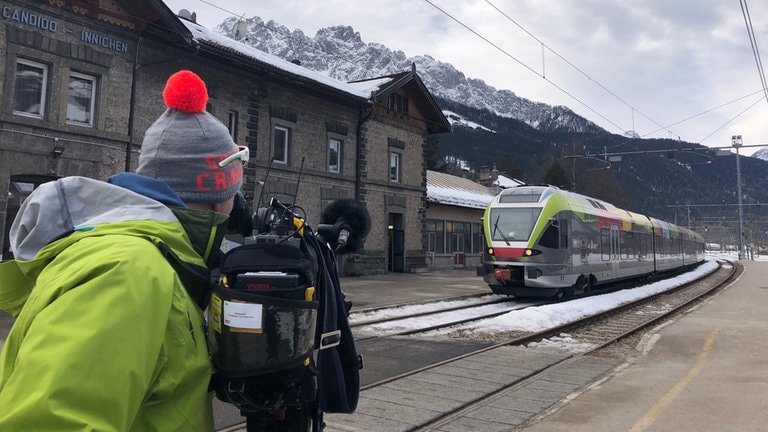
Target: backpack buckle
[330, 339]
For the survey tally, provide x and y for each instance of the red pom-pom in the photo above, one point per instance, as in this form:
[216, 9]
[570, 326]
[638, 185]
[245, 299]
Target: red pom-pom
[185, 91]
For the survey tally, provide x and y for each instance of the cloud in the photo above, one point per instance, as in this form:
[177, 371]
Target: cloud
[626, 61]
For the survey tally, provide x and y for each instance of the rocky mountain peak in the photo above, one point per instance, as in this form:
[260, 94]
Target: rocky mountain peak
[341, 53]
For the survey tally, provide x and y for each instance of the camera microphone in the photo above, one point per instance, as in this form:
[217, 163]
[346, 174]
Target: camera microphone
[343, 237]
[344, 223]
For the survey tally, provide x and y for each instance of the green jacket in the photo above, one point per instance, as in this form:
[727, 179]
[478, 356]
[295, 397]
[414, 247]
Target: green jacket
[106, 337]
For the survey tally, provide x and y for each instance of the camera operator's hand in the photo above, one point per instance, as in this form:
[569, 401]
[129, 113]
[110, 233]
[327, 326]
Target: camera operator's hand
[240, 220]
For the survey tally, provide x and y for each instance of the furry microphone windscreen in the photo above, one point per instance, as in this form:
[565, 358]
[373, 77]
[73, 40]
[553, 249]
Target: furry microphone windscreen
[352, 213]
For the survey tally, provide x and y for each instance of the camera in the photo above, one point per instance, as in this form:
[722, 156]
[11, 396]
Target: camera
[277, 315]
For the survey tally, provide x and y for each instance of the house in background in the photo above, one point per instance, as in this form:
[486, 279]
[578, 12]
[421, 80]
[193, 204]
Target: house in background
[453, 227]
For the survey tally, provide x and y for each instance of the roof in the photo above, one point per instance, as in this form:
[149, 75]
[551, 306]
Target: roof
[507, 182]
[436, 122]
[458, 191]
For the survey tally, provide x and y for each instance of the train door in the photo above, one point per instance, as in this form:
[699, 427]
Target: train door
[565, 243]
[615, 252]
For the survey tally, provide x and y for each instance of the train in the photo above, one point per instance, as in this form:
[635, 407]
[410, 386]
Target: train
[543, 241]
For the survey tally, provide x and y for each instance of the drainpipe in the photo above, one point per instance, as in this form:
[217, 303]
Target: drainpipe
[362, 118]
[129, 145]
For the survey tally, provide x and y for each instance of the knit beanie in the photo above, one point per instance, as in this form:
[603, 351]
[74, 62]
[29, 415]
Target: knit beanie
[185, 145]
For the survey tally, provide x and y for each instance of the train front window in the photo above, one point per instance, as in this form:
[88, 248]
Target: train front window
[512, 224]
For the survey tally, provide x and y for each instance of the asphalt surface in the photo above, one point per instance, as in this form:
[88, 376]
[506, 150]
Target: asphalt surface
[704, 372]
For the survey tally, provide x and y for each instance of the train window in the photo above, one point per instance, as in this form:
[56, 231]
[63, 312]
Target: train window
[512, 224]
[521, 195]
[564, 234]
[550, 237]
[605, 244]
[623, 245]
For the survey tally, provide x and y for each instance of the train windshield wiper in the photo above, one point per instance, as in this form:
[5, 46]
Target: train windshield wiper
[496, 228]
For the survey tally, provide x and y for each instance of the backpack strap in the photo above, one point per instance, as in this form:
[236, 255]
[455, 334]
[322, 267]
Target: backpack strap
[338, 362]
[196, 279]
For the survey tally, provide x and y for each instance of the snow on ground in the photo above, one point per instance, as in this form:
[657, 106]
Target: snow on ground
[532, 319]
[548, 316]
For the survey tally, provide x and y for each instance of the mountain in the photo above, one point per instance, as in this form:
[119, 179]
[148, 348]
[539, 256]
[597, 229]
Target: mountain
[341, 53]
[761, 154]
[676, 181]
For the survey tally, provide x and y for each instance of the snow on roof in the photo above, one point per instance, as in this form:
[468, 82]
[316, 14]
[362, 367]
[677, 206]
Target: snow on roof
[441, 188]
[506, 182]
[210, 37]
[452, 190]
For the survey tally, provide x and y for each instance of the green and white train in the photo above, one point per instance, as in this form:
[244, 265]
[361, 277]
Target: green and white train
[542, 241]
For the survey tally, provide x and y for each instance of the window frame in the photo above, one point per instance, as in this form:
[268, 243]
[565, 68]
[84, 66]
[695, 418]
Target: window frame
[43, 88]
[396, 163]
[233, 120]
[331, 142]
[92, 106]
[285, 144]
[478, 238]
[435, 231]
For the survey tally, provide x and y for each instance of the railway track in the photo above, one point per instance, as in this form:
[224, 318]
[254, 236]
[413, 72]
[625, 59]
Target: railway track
[595, 333]
[401, 321]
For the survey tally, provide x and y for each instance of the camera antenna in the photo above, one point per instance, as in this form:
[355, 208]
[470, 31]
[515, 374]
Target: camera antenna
[264, 182]
[298, 180]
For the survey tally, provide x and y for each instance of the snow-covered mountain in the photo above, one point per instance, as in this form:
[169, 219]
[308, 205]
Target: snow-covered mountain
[341, 53]
[761, 154]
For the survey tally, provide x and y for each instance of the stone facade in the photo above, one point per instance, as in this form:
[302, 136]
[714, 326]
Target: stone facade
[259, 103]
[38, 148]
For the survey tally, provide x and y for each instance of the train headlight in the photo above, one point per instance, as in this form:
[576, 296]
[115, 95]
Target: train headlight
[531, 252]
[490, 251]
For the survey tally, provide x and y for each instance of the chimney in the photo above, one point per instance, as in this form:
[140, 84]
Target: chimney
[485, 174]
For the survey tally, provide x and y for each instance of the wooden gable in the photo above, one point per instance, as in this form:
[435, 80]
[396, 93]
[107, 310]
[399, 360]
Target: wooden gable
[405, 98]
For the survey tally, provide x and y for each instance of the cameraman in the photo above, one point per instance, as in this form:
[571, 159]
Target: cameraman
[110, 281]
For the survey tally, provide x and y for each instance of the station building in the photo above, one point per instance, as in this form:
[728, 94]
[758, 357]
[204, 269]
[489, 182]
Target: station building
[453, 227]
[83, 81]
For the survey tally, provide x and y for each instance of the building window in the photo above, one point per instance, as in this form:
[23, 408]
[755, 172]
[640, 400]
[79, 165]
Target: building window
[81, 99]
[395, 168]
[282, 136]
[334, 155]
[435, 236]
[232, 124]
[478, 239]
[29, 90]
[458, 235]
[397, 103]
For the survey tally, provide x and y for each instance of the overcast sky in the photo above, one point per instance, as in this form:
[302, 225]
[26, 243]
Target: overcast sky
[664, 68]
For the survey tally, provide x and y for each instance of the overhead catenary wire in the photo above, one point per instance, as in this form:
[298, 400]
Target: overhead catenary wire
[571, 64]
[733, 118]
[753, 43]
[523, 64]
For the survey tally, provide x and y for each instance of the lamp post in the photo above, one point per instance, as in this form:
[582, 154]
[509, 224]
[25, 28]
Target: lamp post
[736, 142]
